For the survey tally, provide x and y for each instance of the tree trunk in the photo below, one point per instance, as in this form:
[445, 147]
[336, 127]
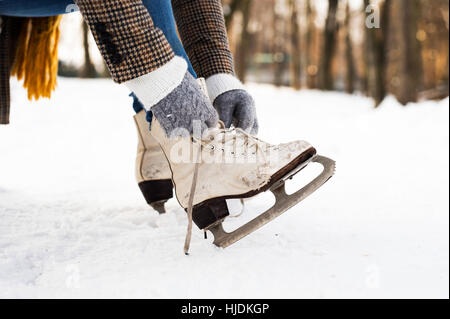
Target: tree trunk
[244, 46]
[350, 66]
[446, 73]
[311, 65]
[295, 47]
[279, 42]
[369, 54]
[382, 37]
[234, 7]
[329, 46]
[88, 70]
[445, 77]
[410, 48]
[376, 54]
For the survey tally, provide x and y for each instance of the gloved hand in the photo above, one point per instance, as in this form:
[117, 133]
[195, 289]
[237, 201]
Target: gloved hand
[173, 96]
[237, 108]
[185, 107]
[233, 103]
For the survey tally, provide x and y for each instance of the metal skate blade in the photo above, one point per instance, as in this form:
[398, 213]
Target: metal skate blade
[291, 174]
[283, 202]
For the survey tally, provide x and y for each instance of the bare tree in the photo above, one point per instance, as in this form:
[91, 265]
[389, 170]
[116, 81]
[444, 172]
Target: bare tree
[329, 46]
[311, 64]
[376, 53]
[445, 17]
[279, 44]
[350, 66]
[234, 7]
[382, 38]
[295, 46]
[244, 51]
[410, 48]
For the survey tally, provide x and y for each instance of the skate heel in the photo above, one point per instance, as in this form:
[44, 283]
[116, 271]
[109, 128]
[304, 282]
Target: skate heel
[157, 193]
[209, 213]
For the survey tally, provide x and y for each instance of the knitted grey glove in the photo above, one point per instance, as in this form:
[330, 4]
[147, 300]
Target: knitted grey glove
[185, 106]
[237, 107]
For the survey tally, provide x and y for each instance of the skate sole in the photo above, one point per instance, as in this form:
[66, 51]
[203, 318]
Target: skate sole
[157, 193]
[283, 202]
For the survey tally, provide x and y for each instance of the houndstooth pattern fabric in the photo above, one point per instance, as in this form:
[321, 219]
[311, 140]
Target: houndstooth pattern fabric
[202, 29]
[127, 38]
[133, 46]
[9, 33]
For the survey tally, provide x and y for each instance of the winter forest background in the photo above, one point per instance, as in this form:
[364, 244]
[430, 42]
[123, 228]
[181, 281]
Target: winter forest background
[371, 47]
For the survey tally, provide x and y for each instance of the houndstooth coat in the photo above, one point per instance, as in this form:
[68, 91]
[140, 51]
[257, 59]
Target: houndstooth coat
[132, 46]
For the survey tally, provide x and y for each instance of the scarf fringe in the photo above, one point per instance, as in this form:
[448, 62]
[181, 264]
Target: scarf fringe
[36, 61]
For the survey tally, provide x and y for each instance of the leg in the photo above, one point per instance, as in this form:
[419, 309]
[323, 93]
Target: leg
[156, 187]
[162, 16]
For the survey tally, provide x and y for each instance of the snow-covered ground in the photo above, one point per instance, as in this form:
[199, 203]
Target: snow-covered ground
[73, 223]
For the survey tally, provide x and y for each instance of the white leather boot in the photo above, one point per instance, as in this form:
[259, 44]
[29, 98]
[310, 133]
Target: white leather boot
[153, 173]
[226, 164]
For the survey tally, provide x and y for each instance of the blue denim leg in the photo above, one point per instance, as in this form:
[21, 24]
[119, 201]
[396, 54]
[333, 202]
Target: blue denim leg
[162, 16]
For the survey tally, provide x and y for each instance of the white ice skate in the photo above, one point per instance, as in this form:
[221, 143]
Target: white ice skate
[229, 164]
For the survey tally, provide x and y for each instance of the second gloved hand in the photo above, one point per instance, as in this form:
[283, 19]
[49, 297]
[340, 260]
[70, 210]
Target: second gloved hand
[233, 103]
[237, 108]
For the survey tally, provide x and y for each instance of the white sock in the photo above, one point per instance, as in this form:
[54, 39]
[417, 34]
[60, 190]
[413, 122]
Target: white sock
[218, 84]
[155, 86]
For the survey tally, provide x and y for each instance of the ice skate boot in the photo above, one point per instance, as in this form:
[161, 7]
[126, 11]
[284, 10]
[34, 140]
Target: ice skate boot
[228, 164]
[153, 173]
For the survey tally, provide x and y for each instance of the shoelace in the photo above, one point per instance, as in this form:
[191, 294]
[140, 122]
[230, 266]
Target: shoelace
[227, 136]
[230, 139]
[187, 242]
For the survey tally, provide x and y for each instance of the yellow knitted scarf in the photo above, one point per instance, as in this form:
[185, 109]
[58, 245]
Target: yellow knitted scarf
[36, 59]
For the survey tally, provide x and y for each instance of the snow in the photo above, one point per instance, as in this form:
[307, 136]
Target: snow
[73, 222]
